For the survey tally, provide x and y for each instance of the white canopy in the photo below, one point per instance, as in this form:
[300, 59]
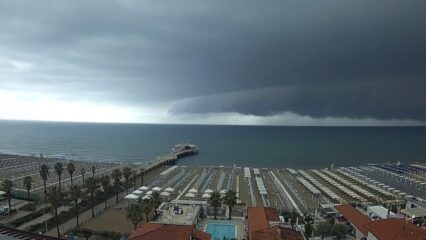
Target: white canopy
[208, 191]
[223, 191]
[169, 189]
[131, 197]
[193, 190]
[137, 192]
[165, 194]
[149, 193]
[156, 189]
[2, 193]
[144, 188]
[206, 195]
[190, 195]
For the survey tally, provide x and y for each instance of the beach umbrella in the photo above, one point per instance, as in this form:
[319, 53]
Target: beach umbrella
[165, 194]
[193, 190]
[144, 188]
[223, 191]
[208, 191]
[206, 195]
[146, 197]
[137, 192]
[156, 189]
[149, 193]
[169, 189]
[190, 195]
[131, 197]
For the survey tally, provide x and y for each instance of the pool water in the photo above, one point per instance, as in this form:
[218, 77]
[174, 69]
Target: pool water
[218, 230]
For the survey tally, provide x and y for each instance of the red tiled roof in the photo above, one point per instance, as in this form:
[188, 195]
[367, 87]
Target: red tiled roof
[259, 218]
[395, 229]
[160, 231]
[355, 217]
[276, 233]
[200, 235]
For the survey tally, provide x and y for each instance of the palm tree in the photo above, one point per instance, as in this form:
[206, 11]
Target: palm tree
[156, 201]
[106, 183]
[82, 172]
[59, 169]
[91, 186]
[230, 200]
[142, 170]
[134, 213]
[215, 202]
[127, 173]
[27, 184]
[75, 193]
[54, 198]
[7, 185]
[116, 175]
[44, 173]
[71, 170]
[134, 176]
[93, 171]
[147, 207]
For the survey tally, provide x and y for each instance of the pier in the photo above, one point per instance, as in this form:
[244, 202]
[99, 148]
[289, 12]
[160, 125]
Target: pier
[178, 152]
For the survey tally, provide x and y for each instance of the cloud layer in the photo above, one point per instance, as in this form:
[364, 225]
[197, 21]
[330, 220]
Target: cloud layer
[167, 59]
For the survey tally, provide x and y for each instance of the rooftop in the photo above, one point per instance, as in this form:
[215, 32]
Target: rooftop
[160, 231]
[7, 233]
[395, 229]
[277, 233]
[355, 217]
[259, 218]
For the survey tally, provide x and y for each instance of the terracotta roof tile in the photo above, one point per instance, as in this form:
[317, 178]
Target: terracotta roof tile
[162, 231]
[200, 235]
[355, 217]
[395, 229]
[256, 220]
[276, 233]
[271, 214]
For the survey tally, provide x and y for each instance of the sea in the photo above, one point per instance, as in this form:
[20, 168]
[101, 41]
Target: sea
[252, 146]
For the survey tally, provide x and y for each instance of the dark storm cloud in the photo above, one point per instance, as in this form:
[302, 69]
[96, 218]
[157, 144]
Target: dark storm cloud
[352, 59]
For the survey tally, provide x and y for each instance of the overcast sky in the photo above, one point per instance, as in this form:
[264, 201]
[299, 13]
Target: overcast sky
[214, 62]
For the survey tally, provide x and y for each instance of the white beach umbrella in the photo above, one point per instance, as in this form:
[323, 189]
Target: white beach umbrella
[223, 191]
[131, 197]
[169, 189]
[190, 195]
[165, 194]
[148, 193]
[193, 190]
[156, 189]
[206, 195]
[146, 197]
[144, 188]
[137, 192]
[208, 191]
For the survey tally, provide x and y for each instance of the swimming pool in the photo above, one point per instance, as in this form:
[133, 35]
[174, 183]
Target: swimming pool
[220, 229]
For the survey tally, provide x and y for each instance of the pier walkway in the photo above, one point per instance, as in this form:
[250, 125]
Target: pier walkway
[179, 151]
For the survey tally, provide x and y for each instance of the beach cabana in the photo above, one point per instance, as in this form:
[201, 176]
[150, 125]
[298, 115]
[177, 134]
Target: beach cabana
[131, 197]
[144, 188]
[147, 197]
[193, 190]
[169, 189]
[148, 193]
[156, 189]
[190, 195]
[137, 192]
[206, 195]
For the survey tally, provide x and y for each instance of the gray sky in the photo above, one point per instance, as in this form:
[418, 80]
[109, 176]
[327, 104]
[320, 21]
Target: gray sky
[214, 62]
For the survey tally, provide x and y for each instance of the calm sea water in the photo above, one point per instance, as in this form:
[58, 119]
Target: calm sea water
[298, 147]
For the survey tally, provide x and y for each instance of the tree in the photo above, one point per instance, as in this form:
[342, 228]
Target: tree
[82, 172]
[147, 207]
[54, 198]
[323, 230]
[59, 169]
[28, 181]
[308, 230]
[75, 193]
[116, 175]
[134, 213]
[215, 202]
[7, 186]
[339, 231]
[91, 186]
[134, 176]
[106, 183]
[44, 173]
[142, 170]
[127, 173]
[230, 201]
[71, 170]
[156, 201]
[93, 171]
